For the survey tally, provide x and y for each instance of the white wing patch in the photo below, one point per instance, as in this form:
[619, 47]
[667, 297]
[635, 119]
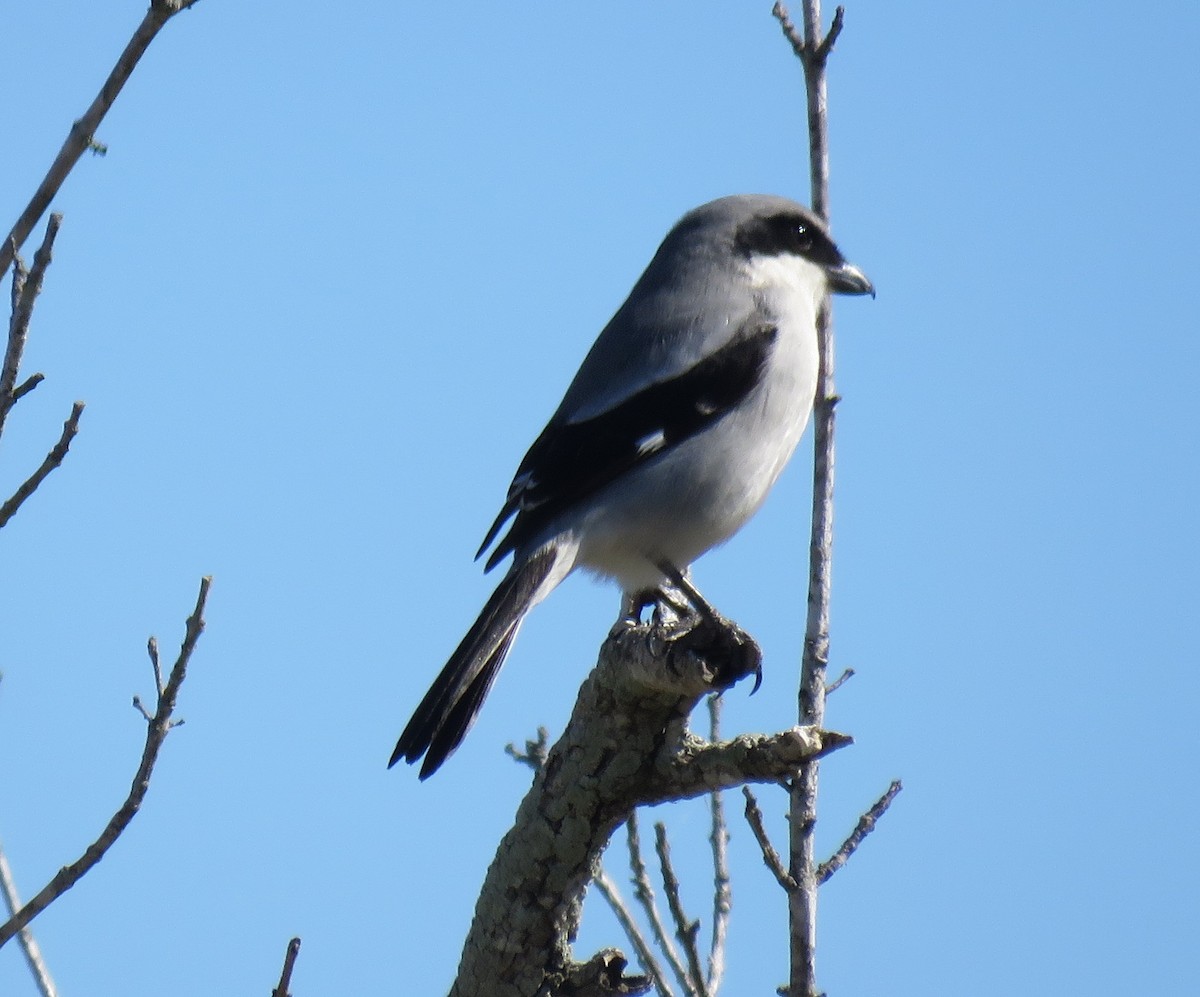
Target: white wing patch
[651, 443]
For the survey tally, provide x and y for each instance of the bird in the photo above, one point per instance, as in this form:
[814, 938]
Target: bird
[676, 426]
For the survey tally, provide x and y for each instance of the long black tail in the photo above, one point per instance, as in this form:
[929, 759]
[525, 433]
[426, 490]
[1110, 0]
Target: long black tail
[450, 706]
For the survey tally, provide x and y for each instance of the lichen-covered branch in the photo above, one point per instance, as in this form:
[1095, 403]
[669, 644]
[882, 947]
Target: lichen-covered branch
[626, 744]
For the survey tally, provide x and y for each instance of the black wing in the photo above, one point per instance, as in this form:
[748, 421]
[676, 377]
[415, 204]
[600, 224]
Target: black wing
[572, 460]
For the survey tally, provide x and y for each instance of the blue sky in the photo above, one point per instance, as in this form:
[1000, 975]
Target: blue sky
[334, 274]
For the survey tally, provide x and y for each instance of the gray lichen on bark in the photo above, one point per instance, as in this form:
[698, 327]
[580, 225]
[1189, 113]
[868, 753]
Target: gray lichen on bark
[627, 744]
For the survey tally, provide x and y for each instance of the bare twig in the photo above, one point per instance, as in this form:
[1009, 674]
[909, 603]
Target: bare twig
[771, 857]
[813, 51]
[866, 824]
[26, 386]
[289, 962]
[53, 459]
[718, 838]
[535, 752]
[840, 681]
[612, 895]
[29, 945]
[152, 650]
[644, 894]
[156, 732]
[81, 135]
[795, 39]
[686, 931]
[26, 286]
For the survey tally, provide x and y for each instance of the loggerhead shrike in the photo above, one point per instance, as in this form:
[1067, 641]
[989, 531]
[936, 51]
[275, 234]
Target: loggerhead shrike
[678, 423]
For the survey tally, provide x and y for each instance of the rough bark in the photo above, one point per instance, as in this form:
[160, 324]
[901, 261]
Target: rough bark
[627, 744]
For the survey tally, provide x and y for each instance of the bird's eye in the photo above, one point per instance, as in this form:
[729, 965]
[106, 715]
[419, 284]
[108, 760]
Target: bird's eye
[804, 239]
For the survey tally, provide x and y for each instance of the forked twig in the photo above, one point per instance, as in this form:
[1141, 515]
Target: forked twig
[156, 731]
[26, 286]
[644, 893]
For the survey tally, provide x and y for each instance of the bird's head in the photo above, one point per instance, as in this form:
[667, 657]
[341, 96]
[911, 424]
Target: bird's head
[775, 233]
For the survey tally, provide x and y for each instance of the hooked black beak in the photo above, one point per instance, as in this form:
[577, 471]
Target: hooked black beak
[846, 278]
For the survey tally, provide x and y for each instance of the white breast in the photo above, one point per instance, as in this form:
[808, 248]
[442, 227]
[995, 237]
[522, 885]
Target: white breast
[699, 494]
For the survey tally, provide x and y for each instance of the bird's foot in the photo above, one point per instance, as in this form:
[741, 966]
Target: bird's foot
[697, 627]
[633, 604]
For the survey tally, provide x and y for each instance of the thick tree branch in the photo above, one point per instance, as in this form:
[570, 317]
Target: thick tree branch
[156, 731]
[626, 745]
[83, 131]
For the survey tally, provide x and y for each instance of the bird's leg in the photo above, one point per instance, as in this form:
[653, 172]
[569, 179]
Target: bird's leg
[681, 585]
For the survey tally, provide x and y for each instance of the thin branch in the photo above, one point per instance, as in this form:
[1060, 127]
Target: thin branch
[53, 459]
[26, 386]
[289, 962]
[644, 894]
[82, 133]
[156, 731]
[686, 931]
[608, 889]
[152, 650]
[831, 36]
[840, 681]
[26, 286]
[866, 824]
[29, 945]
[771, 857]
[718, 838]
[813, 52]
[795, 39]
